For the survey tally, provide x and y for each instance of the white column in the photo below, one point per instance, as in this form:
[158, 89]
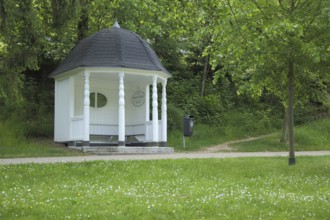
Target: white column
[154, 111]
[71, 106]
[147, 103]
[121, 120]
[86, 110]
[72, 96]
[164, 115]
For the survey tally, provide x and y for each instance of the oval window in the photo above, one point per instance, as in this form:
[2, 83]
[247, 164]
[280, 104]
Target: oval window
[97, 100]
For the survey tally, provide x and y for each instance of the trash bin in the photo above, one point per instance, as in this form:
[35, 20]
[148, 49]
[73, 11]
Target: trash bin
[188, 124]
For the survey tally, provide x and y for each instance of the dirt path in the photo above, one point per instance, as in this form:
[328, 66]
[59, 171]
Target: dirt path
[195, 155]
[225, 146]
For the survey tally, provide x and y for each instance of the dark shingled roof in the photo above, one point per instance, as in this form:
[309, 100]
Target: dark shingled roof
[116, 48]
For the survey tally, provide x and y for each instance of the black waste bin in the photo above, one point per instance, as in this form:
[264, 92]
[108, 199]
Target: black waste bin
[188, 124]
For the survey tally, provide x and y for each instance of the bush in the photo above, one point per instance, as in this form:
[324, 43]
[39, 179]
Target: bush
[174, 118]
[210, 109]
[245, 123]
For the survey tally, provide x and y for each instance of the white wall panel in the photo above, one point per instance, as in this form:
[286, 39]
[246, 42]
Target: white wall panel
[134, 114]
[77, 128]
[78, 100]
[107, 114]
[105, 129]
[62, 110]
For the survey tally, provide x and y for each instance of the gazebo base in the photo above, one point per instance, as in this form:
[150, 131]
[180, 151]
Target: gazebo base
[110, 150]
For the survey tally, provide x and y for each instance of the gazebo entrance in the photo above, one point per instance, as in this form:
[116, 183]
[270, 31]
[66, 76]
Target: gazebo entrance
[104, 110]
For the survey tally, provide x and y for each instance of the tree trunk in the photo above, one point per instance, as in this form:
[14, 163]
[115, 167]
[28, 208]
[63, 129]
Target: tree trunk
[292, 159]
[205, 71]
[83, 22]
[284, 126]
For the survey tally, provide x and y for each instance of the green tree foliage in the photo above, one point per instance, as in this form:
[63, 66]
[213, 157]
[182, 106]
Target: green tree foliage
[273, 45]
[29, 38]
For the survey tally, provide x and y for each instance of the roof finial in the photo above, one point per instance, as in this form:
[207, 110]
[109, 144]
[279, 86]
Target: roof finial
[116, 25]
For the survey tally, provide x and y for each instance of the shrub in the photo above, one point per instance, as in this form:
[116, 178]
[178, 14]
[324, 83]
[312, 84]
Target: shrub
[210, 109]
[174, 117]
[245, 123]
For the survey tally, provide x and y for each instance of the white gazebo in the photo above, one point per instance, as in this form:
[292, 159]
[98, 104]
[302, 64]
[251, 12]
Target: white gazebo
[106, 95]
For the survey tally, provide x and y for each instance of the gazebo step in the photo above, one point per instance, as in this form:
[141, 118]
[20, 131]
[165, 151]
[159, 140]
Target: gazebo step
[103, 144]
[108, 140]
[110, 150]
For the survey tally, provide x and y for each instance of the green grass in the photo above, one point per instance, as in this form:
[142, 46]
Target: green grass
[241, 188]
[205, 136]
[13, 143]
[311, 136]
[233, 125]
[37, 148]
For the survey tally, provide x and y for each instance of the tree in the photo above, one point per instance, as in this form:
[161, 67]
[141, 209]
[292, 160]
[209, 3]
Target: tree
[271, 45]
[17, 33]
[35, 35]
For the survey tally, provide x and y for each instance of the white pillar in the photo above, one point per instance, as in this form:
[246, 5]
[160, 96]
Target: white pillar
[121, 120]
[164, 115]
[147, 103]
[154, 112]
[86, 109]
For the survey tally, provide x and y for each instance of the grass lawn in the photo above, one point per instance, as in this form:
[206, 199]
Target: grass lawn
[36, 148]
[311, 136]
[308, 137]
[241, 188]
[206, 136]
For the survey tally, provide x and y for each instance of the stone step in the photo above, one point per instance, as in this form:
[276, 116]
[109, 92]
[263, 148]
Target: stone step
[109, 150]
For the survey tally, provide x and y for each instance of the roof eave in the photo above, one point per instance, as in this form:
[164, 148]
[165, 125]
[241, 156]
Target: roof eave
[77, 70]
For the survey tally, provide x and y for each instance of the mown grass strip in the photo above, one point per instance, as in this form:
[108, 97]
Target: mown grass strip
[242, 188]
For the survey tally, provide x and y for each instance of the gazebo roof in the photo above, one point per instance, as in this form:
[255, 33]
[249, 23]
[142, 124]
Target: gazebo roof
[112, 48]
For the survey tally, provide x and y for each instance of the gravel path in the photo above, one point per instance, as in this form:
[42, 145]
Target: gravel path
[158, 157]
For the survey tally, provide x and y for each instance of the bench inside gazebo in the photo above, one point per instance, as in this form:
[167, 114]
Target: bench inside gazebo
[106, 95]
